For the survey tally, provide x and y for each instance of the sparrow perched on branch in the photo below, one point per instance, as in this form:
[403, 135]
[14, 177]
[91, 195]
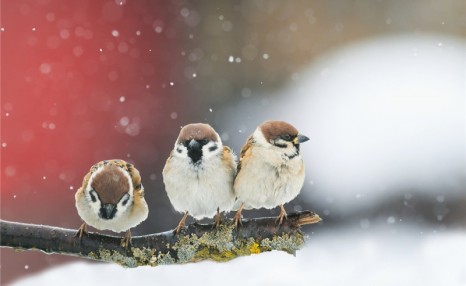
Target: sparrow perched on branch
[199, 174]
[271, 169]
[111, 197]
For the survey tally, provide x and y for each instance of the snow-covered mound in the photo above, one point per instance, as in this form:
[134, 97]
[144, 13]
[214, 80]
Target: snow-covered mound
[381, 256]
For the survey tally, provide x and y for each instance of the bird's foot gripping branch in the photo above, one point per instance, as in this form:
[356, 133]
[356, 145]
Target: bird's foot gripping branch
[195, 243]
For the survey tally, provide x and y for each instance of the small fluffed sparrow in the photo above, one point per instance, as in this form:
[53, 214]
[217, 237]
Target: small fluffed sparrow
[199, 174]
[111, 198]
[271, 169]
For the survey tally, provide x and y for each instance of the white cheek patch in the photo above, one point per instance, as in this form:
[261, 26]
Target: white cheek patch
[180, 151]
[284, 142]
[211, 149]
[95, 206]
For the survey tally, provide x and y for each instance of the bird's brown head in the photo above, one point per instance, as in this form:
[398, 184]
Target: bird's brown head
[197, 131]
[282, 134]
[110, 190]
[197, 141]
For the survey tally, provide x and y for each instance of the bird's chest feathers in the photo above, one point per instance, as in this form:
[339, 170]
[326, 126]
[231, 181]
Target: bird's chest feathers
[280, 162]
[269, 178]
[201, 173]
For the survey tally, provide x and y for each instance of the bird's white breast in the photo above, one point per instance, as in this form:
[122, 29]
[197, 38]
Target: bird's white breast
[268, 178]
[199, 190]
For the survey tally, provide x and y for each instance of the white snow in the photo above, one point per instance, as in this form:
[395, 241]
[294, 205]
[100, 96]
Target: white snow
[382, 256]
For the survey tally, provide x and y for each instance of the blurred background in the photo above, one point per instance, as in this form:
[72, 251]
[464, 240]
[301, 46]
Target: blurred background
[378, 86]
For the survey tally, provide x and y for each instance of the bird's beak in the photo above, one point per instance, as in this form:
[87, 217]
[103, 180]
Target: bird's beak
[300, 139]
[107, 211]
[193, 144]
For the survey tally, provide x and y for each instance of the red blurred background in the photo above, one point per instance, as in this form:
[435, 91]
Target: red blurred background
[83, 81]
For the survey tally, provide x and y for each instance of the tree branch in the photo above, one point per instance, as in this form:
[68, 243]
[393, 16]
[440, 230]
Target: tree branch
[196, 242]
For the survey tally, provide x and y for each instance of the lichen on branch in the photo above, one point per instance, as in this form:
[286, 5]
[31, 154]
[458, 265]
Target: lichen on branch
[195, 243]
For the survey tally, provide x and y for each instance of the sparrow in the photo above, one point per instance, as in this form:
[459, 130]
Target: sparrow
[270, 170]
[111, 197]
[199, 174]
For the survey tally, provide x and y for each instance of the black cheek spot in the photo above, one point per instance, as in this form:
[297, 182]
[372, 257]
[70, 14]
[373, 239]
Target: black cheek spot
[179, 150]
[213, 148]
[93, 198]
[293, 156]
[125, 202]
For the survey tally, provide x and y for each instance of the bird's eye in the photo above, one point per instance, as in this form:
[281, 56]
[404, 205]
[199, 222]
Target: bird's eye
[138, 186]
[93, 197]
[204, 141]
[125, 199]
[186, 143]
[286, 137]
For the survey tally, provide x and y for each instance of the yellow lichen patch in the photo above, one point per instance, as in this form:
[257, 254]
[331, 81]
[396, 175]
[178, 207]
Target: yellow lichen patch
[255, 249]
[222, 256]
[229, 255]
[202, 253]
[244, 248]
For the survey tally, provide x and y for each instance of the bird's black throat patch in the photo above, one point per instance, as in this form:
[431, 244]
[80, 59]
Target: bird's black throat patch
[195, 150]
[195, 154]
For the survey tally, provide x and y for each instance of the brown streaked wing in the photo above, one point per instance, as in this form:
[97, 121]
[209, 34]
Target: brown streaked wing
[246, 149]
[228, 154]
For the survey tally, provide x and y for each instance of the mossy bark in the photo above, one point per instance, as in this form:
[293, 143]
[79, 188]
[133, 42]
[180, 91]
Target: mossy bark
[195, 243]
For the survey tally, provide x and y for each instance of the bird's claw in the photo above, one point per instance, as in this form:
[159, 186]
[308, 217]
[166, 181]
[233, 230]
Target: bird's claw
[281, 216]
[127, 239]
[82, 231]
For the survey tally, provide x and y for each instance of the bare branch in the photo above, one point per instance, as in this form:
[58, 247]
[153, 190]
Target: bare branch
[197, 242]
